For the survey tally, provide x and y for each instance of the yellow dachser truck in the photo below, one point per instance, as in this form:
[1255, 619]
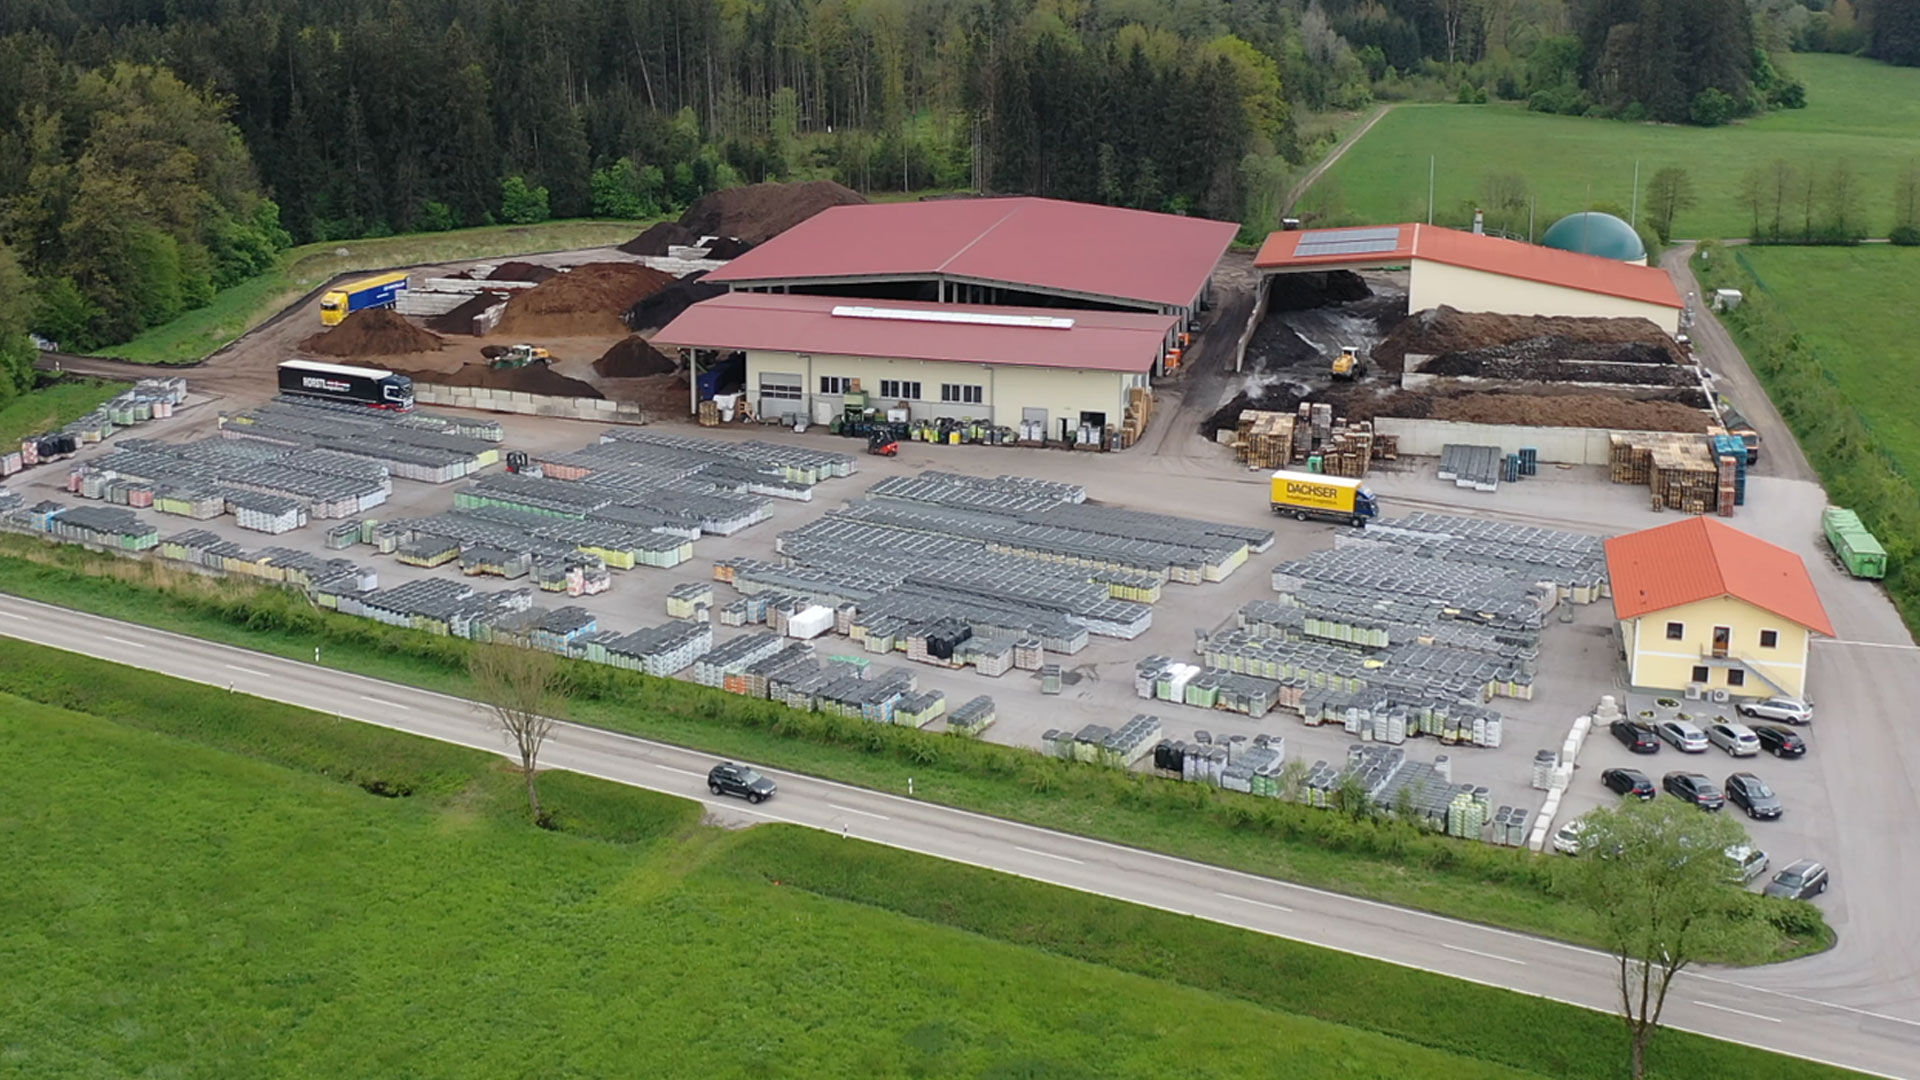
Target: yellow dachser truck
[1327, 498]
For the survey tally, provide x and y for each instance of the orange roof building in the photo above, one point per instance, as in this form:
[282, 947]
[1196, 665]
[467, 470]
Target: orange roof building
[1703, 605]
[1475, 272]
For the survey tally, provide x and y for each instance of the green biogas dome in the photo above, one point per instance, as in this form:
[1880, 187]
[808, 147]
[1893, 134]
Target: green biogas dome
[1594, 233]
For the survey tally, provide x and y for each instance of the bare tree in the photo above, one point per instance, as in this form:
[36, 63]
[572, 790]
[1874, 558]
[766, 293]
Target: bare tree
[1906, 198]
[1810, 190]
[1843, 201]
[523, 689]
[1658, 877]
[1753, 196]
[1505, 195]
[1781, 180]
[1668, 192]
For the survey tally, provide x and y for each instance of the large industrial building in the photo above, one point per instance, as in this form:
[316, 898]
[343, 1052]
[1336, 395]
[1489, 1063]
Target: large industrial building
[1474, 272]
[998, 309]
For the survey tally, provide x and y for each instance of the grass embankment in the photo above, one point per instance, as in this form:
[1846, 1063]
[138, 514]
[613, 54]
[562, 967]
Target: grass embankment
[1861, 113]
[1827, 330]
[1383, 861]
[201, 888]
[49, 407]
[235, 311]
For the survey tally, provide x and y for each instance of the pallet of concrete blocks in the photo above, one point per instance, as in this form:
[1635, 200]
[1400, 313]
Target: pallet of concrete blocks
[732, 657]
[683, 598]
[1466, 814]
[1134, 740]
[1203, 763]
[809, 622]
[973, 717]
[1171, 679]
[919, 710]
[484, 559]
[989, 656]
[1055, 743]
[753, 679]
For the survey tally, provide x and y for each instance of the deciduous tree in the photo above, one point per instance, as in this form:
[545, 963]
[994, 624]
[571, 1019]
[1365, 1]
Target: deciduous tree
[1669, 191]
[523, 689]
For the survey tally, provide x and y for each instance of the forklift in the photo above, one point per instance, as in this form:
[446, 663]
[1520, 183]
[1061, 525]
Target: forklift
[881, 443]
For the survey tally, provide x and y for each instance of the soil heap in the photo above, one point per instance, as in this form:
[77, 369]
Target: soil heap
[634, 358]
[727, 247]
[522, 271]
[460, 319]
[372, 332]
[1296, 292]
[585, 302]
[658, 237]
[666, 305]
[532, 379]
[759, 212]
[1443, 330]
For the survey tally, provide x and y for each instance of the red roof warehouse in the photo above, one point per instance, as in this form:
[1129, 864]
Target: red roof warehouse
[1072, 250]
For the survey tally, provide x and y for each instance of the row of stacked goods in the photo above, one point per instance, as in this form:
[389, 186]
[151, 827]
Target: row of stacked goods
[1695, 474]
[149, 399]
[1311, 438]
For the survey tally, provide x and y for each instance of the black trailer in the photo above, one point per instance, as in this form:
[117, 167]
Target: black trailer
[374, 387]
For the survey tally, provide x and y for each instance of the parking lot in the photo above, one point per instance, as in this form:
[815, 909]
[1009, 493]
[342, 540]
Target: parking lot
[1847, 802]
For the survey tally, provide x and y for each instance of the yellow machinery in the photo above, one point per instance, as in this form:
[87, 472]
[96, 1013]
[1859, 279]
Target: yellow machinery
[1348, 364]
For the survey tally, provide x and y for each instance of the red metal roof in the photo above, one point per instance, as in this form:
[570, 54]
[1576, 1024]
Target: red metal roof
[1097, 340]
[1099, 251]
[1473, 251]
[1702, 558]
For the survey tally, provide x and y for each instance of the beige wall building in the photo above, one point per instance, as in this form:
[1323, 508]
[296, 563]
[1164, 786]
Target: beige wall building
[1702, 605]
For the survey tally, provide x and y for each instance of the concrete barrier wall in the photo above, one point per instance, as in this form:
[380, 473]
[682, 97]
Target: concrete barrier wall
[509, 401]
[1557, 445]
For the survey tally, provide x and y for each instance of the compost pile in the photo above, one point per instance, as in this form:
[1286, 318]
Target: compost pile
[634, 358]
[522, 271]
[460, 319]
[660, 395]
[666, 305]
[587, 301]
[1648, 367]
[658, 237]
[372, 332]
[759, 212]
[1442, 330]
[727, 247]
[532, 379]
[1296, 292]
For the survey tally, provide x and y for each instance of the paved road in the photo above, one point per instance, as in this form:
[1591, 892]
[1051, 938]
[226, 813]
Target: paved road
[1780, 453]
[1712, 1003]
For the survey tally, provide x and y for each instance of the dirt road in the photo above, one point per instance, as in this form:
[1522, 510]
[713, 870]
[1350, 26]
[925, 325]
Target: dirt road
[1299, 190]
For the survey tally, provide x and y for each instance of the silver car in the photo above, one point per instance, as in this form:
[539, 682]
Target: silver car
[1683, 735]
[1785, 709]
[1736, 739]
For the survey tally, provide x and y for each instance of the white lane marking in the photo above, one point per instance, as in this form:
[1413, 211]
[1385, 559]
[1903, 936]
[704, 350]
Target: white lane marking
[246, 670]
[669, 768]
[1803, 999]
[1250, 900]
[387, 704]
[1050, 855]
[1865, 644]
[862, 813]
[1487, 955]
[1737, 1012]
[122, 641]
[11, 615]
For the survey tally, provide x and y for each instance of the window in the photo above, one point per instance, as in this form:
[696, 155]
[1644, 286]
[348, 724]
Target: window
[1736, 677]
[1676, 631]
[835, 384]
[1769, 638]
[1700, 674]
[962, 393]
[903, 389]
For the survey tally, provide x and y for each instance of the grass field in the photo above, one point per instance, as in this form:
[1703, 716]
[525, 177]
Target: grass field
[198, 888]
[42, 410]
[1855, 307]
[1260, 836]
[1859, 112]
[235, 311]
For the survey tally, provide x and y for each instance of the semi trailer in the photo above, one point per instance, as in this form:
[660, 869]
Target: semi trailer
[374, 387]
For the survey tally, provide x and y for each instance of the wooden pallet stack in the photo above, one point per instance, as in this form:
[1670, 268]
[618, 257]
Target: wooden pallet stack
[1348, 449]
[1386, 447]
[1685, 477]
[1728, 490]
[1265, 439]
[1276, 440]
[1139, 414]
[1629, 459]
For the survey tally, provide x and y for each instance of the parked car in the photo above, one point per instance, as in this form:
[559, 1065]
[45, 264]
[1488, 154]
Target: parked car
[1803, 880]
[1684, 735]
[1779, 741]
[1785, 709]
[1749, 862]
[727, 778]
[1736, 739]
[1636, 736]
[1750, 793]
[1628, 782]
[1695, 788]
[1566, 839]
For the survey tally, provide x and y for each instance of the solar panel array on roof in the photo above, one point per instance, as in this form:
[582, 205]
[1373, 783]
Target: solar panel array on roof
[1347, 241]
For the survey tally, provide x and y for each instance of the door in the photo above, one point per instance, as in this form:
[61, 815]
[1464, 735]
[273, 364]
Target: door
[780, 394]
[1722, 638]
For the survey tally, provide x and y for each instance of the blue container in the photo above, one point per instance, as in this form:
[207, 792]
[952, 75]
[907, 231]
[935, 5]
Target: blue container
[1529, 461]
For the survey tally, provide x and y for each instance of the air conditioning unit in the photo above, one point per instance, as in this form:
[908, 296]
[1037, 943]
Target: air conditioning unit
[1695, 691]
[1721, 697]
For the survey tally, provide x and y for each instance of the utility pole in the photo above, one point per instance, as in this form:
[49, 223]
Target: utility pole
[1633, 215]
[1429, 189]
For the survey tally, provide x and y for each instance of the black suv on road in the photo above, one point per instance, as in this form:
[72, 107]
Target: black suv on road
[730, 779]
